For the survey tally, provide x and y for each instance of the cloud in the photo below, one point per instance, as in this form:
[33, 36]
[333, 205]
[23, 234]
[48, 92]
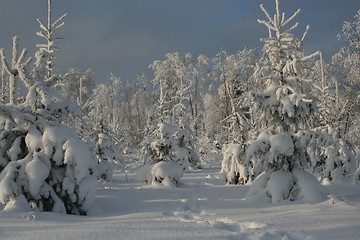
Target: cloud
[126, 36]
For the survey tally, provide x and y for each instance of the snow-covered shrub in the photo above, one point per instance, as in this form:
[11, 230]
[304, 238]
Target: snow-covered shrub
[186, 149]
[45, 162]
[107, 155]
[165, 173]
[328, 156]
[170, 144]
[233, 165]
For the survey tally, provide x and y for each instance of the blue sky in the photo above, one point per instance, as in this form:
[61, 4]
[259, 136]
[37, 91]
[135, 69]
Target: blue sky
[125, 36]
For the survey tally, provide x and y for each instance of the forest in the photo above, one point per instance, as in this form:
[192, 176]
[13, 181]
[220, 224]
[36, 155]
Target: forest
[276, 120]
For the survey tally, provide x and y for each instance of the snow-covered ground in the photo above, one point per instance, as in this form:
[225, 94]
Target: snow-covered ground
[203, 207]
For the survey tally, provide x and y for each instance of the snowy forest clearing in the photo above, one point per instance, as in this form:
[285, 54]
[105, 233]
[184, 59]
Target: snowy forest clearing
[203, 207]
[282, 121]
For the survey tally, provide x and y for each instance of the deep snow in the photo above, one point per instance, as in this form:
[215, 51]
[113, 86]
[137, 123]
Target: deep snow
[203, 207]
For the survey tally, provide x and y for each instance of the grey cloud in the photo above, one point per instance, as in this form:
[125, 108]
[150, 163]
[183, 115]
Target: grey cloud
[126, 36]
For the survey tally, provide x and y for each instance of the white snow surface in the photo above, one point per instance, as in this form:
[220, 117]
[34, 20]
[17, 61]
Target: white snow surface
[203, 207]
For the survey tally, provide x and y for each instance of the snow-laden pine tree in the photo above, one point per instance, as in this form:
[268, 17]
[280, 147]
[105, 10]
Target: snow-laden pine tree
[43, 162]
[39, 80]
[108, 156]
[284, 112]
[166, 154]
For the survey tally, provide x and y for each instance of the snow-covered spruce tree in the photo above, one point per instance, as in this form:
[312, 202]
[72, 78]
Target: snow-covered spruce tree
[284, 109]
[108, 156]
[166, 154]
[43, 99]
[45, 163]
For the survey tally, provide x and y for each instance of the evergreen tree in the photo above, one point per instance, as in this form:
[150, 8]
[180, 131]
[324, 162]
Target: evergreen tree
[108, 156]
[167, 153]
[45, 163]
[285, 109]
[42, 161]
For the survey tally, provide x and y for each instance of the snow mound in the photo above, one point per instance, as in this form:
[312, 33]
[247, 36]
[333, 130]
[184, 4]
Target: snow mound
[307, 188]
[164, 173]
[279, 186]
[18, 204]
